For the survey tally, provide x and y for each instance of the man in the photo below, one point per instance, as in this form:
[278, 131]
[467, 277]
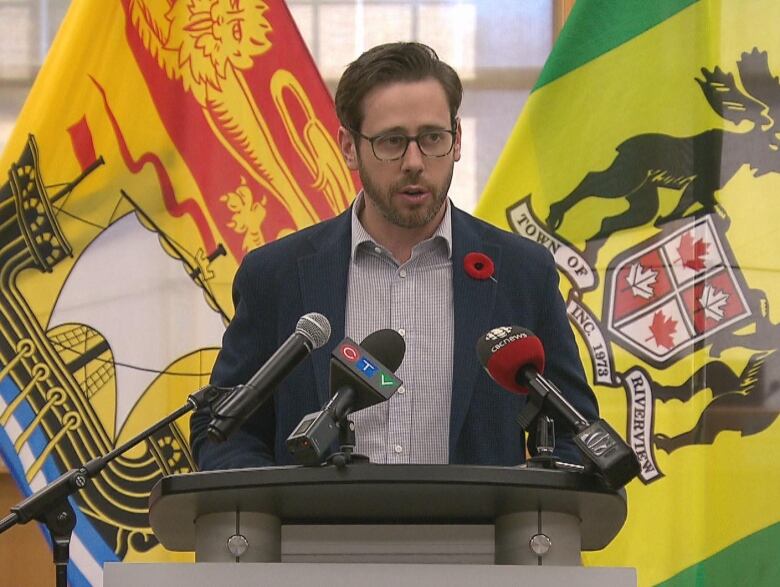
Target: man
[395, 259]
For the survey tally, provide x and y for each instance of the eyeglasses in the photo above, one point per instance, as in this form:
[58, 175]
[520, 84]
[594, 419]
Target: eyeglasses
[391, 147]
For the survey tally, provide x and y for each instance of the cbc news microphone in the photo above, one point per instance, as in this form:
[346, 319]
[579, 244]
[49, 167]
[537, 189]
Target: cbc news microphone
[514, 358]
[360, 376]
[311, 332]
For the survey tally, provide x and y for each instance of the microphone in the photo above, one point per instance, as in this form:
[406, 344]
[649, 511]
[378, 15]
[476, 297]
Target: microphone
[514, 358]
[311, 332]
[360, 376]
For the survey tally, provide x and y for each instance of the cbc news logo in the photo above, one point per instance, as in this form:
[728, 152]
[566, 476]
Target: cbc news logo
[499, 333]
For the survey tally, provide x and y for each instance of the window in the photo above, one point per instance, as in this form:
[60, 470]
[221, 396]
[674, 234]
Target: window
[497, 46]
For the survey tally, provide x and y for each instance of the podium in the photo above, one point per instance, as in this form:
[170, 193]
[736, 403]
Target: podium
[382, 525]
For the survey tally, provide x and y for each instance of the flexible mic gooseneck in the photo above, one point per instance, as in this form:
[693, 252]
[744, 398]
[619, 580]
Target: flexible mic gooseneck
[311, 332]
[514, 358]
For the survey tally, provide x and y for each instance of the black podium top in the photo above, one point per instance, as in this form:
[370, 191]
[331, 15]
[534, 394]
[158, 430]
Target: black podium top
[385, 494]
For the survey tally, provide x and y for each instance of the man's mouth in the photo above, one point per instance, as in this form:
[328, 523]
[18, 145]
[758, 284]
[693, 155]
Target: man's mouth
[414, 191]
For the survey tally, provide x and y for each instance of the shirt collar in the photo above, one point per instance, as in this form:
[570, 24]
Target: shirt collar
[361, 239]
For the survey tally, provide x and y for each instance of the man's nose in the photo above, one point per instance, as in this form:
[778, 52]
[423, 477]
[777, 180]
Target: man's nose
[413, 158]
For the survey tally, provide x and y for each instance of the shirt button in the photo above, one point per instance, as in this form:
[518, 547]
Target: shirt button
[402, 273]
[377, 250]
[398, 448]
[402, 331]
[401, 389]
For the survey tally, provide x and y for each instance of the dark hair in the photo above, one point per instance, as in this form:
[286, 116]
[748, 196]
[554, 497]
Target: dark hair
[388, 63]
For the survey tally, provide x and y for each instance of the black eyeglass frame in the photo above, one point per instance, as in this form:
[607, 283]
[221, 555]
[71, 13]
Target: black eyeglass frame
[409, 139]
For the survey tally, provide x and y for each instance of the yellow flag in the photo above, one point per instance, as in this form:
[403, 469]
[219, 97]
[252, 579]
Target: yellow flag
[161, 141]
[647, 160]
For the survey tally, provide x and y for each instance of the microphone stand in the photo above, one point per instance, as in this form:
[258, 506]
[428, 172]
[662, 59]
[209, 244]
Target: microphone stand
[601, 446]
[342, 404]
[346, 454]
[545, 446]
[50, 505]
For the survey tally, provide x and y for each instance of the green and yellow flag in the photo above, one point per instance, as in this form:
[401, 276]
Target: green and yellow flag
[161, 141]
[647, 159]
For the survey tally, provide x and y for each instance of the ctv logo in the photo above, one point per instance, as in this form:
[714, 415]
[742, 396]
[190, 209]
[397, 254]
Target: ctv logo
[362, 364]
[364, 367]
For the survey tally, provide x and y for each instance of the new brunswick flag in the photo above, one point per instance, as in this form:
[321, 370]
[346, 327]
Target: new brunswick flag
[162, 140]
[647, 160]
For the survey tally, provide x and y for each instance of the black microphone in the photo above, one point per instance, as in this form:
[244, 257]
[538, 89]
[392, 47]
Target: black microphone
[360, 376]
[311, 332]
[514, 357]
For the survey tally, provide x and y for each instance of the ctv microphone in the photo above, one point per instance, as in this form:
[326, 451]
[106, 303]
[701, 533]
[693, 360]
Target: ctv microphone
[360, 376]
[311, 332]
[514, 358]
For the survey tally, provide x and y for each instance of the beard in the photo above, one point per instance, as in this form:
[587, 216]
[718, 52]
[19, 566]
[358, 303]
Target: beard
[416, 217]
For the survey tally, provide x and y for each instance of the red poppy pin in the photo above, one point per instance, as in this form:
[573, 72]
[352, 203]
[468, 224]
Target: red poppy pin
[479, 266]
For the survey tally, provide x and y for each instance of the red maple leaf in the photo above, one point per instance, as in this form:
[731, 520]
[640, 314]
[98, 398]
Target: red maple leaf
[662, 330]
[692, 252]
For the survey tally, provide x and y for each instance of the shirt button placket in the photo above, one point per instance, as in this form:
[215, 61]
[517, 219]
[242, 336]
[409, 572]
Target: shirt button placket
[402, 314]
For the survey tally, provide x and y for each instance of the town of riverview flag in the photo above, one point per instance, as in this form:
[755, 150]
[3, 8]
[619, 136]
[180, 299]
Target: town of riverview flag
[647, 160]
[161, 141]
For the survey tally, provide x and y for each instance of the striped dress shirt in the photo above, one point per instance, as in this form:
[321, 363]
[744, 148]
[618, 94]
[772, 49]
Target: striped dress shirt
[414, 298]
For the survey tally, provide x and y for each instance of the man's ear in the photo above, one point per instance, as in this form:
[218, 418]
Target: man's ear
[348, 148]
[456, 146]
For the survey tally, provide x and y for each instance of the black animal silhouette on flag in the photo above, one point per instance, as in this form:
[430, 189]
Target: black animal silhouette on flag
[696, 167]
[747, 401]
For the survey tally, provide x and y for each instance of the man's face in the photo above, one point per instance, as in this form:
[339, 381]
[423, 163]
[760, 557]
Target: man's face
[409, 192]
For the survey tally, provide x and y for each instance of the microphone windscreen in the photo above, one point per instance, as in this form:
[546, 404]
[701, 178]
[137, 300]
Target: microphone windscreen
[315, 327]
[386, 346]
[504, 351]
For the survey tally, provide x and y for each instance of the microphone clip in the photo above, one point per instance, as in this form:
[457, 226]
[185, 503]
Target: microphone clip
[531, 410]
[346, 454]
[545, 444]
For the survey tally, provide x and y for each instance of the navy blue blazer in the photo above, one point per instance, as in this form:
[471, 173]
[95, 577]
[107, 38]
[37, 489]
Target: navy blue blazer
[307, 272]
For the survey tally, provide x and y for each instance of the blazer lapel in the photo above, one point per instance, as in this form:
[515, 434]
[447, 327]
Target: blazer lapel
[474, 300]
[323, 278]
